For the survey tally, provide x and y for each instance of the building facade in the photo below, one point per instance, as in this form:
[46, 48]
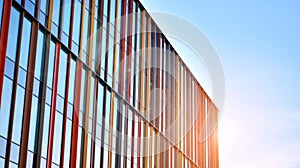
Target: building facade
[81, 88]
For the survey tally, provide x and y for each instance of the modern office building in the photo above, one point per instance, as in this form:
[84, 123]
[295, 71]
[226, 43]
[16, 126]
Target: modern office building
[80, 88]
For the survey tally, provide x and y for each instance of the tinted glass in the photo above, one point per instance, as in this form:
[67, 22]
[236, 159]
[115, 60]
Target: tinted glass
[13, 34]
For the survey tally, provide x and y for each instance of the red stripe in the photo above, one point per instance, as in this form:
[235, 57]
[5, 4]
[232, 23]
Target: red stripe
[53, 105]
[3, 40]
[76, 115]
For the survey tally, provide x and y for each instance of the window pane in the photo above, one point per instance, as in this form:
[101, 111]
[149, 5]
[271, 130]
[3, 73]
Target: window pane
[44, 5]
[39, 56]
[3, 147]
[45, 131]
[33, 123]
[56, 12]
[9, 68]
[14, 153]
[68, 143]
[57, 138]
[62, 73]
[25, 43]
[51, 64]
[18, 116]
[77, 19]
[1, 8]
[66, 18]
[5, 107]
[13, 34]
[72, 80]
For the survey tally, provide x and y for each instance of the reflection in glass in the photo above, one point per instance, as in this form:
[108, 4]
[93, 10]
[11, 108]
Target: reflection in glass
[25, 42]
[33, 123]
[5, 106]
[18, 116]
[13, 34]
[39, 56]
[51, 64]
[57, 138]
[62, 73]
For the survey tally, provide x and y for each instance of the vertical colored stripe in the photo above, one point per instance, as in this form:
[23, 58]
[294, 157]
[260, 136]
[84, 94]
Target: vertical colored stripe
[3, 40]
[76, 115]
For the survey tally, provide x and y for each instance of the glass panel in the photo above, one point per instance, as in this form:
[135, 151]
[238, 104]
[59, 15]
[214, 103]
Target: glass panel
[22, 77]
[66, 18]
[29, 162]
[3, 147]
[68, 143]
[1, 9]
[45, 131]
[18, 116]
[77, 19]
[5, 107]
[51, 64]
[57, 138]
[25, 42]
[14, 153]
[9, 68]
[72, 80]
[2, 161]
[13, 34]
[33, 123]
[43, 6]
[39, 59]
[62, 73]
[56, 12]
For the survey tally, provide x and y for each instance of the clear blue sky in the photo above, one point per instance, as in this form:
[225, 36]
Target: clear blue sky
[258, 42]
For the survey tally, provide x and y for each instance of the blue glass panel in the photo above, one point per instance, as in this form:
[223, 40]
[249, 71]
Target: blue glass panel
[61, 84]
[38, 72]
[11, 164]
[2, 161]
[68, 143]
[29, 159]
[70, 111]
[66, 18]
[1, 10]
[18, 116]
[33, 123]
[51, 64]
[14, 153]
[5, 107]
[57, 138]
[25, 42]
[72, 81]
[13, 34]
[45, 131]
[36, 87]
[22, 77]
[30, 6]
[77, 19]
[99, 111]
[48, 96]
[56, 11]
[9, 68]
[60, 104]
[2, 147]
[43, 6]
